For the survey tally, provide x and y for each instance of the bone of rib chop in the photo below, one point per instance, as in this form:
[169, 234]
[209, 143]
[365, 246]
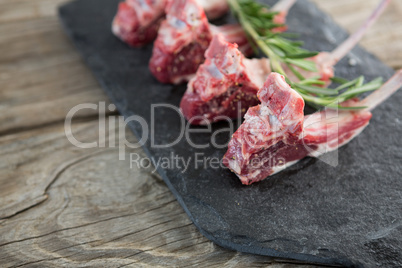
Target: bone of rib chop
[213, 94]
[276, 134]
[283, 8]
[325, 61]
[183, 39]
[137, 21]
[214, 8]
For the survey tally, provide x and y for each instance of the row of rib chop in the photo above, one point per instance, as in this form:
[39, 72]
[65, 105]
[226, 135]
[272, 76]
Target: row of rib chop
[224, 84]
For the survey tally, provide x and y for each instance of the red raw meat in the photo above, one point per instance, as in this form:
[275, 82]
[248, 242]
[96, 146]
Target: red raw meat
[276, 134]
[223, 85]
[137, 21]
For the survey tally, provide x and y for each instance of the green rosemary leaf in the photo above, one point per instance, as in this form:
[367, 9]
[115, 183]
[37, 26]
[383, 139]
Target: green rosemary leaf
[295, 72]
[291, 35]
[373, 85]
[347, 85]
[297, 43]
[351, 108]
[304, 64]
[316, 90]
[277, 50]
[360, 81]
[314, 81]
[302, 55]
[339, 80]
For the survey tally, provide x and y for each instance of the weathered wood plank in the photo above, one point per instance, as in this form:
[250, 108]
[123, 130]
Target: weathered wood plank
[31, 157]
[42, 76]
[27, 9]
[95, 214]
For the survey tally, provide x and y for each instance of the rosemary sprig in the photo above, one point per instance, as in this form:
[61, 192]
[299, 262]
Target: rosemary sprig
[258, 22]
[332, 98]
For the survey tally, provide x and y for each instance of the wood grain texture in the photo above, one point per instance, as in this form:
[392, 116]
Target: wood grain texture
[65, 206]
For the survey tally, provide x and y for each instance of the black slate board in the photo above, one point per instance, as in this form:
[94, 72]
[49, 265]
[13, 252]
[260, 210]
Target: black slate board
[349, 215]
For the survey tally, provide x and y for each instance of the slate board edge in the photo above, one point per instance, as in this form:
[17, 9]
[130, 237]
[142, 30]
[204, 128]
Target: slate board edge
[288, 257]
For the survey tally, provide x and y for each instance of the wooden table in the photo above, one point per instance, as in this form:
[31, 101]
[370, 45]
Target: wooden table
[61, 205]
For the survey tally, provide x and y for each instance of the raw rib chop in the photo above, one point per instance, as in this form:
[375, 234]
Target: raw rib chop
[225, 84]
[276, 134]
[137, 21]
[184, 37]
[213, 94]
